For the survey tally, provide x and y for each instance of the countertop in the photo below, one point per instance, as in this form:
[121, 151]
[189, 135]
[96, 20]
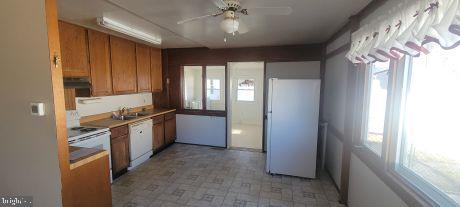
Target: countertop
[112, 123]
[79, 156]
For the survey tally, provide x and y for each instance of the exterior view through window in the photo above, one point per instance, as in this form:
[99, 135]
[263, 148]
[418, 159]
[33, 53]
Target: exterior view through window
[193, 93]
[245, 90]
[377, 104]
[215, 88]
[429, 154]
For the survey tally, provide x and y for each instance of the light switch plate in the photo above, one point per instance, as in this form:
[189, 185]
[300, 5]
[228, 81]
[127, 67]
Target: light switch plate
[37, 109]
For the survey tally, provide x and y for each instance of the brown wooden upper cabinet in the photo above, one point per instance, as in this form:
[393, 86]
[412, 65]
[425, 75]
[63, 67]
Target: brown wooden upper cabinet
[156, 70]
[74, 50]
[143, 68]
[99, 55]
[123, 55]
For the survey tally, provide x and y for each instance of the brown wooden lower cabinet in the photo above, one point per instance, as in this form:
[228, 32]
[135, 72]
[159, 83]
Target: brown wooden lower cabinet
[90, 184]
[120, 149]
[158, 138]
[170, 128]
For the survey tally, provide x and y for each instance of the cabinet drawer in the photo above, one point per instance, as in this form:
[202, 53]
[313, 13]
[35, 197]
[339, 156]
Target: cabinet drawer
[119, 131]
[158, 119]
[170, 115]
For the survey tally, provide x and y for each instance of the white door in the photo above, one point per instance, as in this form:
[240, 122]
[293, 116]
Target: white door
[293, 127]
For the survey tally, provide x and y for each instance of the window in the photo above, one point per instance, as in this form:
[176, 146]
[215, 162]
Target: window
[193, 87]
[429, 147]
[377, 93]
[245, 90]
[213, 89]
[215, 83]
[194, 78]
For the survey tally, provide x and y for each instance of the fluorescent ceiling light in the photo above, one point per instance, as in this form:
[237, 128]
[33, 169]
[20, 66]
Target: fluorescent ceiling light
[116, 26]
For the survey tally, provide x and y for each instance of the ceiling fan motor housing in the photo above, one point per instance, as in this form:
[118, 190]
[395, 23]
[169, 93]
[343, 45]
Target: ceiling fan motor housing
[233, 5]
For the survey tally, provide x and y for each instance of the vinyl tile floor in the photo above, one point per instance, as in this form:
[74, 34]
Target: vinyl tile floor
[189, 175]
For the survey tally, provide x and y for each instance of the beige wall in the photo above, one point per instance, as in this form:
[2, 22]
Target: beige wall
[366, 189]
[28, 148]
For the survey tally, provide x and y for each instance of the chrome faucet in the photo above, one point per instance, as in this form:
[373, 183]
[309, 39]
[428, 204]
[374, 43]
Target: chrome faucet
[123, 110]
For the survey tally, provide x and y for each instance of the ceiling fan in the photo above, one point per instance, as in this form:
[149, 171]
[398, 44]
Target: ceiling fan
[232, 10]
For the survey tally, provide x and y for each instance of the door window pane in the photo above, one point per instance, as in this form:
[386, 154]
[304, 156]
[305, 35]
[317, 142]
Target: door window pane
[245, 90]
[430, 138]
[215, 88]
[378, 92]
[193, 85]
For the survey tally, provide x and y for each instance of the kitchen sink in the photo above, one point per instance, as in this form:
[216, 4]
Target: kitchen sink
[130, 116]
[125, 117]
[138, 114]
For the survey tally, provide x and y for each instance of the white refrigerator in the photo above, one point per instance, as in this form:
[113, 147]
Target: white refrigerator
[292, 126]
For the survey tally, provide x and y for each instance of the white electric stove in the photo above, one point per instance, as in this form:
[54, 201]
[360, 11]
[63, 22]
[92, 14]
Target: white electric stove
[90, 137]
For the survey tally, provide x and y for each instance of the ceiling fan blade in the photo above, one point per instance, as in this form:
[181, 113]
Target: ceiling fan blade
[220, 3]
[269, 10]
[242, 28]
[198, 18]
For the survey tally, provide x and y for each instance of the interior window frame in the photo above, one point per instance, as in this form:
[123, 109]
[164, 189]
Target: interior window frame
[203, 111]
[388, 111]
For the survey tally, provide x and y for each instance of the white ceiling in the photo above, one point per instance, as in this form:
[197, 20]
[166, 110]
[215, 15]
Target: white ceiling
[312, 21]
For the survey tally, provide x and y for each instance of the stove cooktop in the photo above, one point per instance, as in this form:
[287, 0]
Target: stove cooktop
[83, 131]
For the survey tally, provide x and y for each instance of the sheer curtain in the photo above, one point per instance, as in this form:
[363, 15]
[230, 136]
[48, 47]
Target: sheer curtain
[408, 28]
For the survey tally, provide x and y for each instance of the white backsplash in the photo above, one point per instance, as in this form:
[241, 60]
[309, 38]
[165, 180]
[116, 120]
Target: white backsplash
[72, 118]
[106, 104]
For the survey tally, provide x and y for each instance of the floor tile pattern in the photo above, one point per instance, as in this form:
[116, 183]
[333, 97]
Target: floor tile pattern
[189, 175]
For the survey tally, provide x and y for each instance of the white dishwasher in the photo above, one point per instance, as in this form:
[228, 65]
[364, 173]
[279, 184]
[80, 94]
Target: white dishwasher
[140, 135]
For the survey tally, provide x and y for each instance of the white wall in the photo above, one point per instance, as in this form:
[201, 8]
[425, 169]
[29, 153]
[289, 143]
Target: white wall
[28, 146]
[335, 91]
[366, 189]
[202, 130]
[113, 103]
[334, 107]
[334, 149]
[245, 112]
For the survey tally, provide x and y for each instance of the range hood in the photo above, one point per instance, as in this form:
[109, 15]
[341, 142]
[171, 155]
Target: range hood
[77, 83]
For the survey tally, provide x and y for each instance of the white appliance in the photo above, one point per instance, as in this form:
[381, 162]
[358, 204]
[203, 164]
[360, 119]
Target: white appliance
[91, 137]
[140, 135]
[292, 127]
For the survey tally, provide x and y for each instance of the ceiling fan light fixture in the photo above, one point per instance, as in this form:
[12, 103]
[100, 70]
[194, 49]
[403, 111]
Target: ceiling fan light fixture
[229, 25]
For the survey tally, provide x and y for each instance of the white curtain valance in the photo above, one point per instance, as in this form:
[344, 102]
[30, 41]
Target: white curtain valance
[407, 29]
